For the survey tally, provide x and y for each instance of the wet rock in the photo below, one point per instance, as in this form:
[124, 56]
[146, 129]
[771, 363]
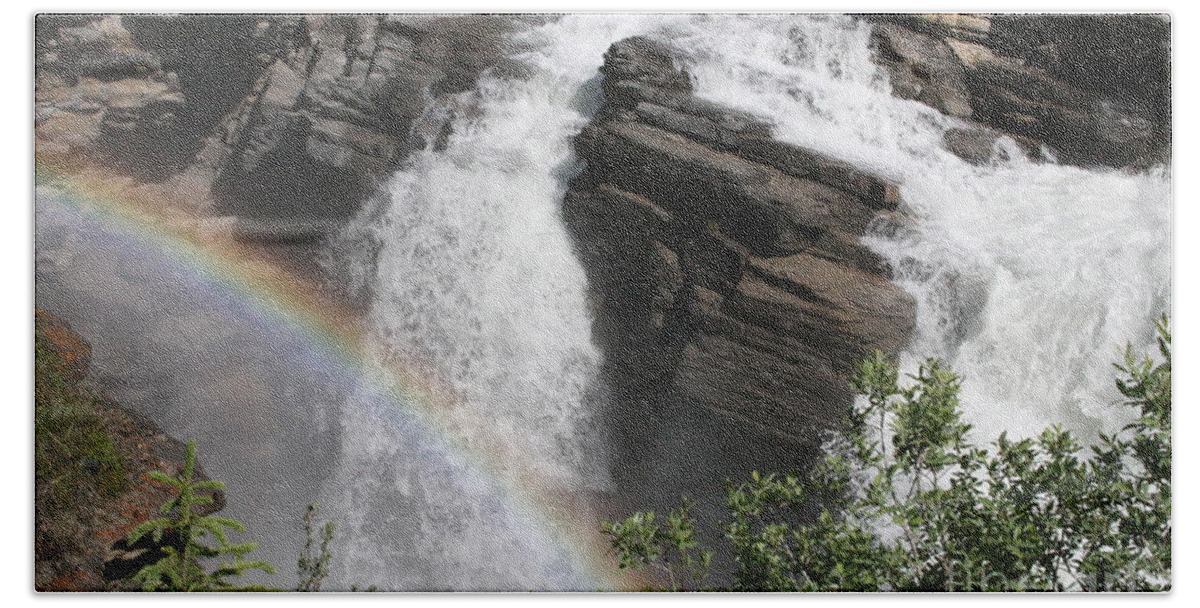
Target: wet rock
[336, 110]
[1123, 58]
[726, 269]
[975, 146]
[107, 95]
[922, 67]
[768, 211]
[1092, 88]
[1029, 102]
[293, 118]
[638, 70]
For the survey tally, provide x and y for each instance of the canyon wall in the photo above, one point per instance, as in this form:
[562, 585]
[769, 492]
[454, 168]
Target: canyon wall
[730, 288]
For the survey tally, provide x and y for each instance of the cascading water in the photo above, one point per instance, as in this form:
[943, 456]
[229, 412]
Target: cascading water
[1029, 278]
[1029, 275]
[475, 284]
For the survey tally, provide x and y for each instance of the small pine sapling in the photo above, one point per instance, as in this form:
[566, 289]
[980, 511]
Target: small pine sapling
[181, 568]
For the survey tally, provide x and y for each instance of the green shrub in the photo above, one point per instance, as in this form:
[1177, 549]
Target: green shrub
[906, 502]
[670, 547]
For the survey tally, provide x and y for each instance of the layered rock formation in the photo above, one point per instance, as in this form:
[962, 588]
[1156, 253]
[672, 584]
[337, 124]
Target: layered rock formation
[1094, 89]
[288, 122]
[335, 111]
[101, 99]
[732, 293]
[284, 122]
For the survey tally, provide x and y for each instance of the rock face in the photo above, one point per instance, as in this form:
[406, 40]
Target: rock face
[140, 93]
[100, 98]
[731, 290]
[1094, 89]
[338, 106]
[292, 119]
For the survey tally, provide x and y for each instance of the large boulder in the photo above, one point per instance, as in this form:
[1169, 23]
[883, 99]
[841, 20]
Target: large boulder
[732, 292]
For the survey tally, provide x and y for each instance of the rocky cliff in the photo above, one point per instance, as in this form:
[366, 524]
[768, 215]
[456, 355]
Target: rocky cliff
[335, 111]
[1093, 89]
[731, 291]
[287, 123]
[732, 294]
[138, 93]
[284, 122]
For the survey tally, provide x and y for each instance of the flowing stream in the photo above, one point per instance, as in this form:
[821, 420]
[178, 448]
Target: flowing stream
[1030, 277]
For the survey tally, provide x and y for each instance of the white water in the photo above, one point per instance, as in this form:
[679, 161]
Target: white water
[475, 282]
[1029, 278]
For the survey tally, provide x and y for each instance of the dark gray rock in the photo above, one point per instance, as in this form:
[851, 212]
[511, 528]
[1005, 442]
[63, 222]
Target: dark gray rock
[115, 84]
[768, 211]
[732, 294]
[1081, 127]
[976, 146]
[642, 70]
[334, 112]
[1094, 89]
[922, 67]
[294, 118]
[1124, 58]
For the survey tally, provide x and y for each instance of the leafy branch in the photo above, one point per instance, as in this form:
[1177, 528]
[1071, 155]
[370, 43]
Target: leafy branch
[904, 501]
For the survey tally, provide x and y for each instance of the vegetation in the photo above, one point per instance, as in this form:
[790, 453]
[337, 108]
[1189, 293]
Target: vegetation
[182, 535]
[671, 547]
[905, 502]
[312, 569]
[74, 457]
[191, 538]
[76, 462]
[71, 447]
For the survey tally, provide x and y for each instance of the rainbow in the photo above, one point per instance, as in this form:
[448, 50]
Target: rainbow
[336, 335]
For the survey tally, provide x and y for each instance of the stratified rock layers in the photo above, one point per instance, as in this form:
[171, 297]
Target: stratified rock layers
[731, 289]
[1094, 89]
[287, 122]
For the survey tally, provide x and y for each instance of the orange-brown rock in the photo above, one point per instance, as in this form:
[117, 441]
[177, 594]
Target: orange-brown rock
[72, 349]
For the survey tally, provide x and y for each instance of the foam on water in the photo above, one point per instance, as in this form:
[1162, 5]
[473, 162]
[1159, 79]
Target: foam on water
[1030, 276]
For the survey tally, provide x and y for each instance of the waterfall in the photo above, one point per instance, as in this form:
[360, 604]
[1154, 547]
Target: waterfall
[1030, 276]
[474, 283]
